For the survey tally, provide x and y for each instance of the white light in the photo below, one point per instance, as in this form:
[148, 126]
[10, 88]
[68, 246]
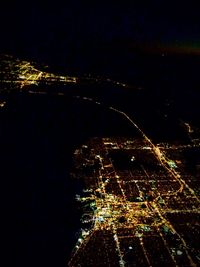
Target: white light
[179, 252]
[133, 158]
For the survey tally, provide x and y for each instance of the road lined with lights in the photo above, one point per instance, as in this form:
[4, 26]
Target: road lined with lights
[110, 207]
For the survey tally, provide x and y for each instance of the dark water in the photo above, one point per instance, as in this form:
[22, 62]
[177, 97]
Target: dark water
[38, 137]
[169, 83]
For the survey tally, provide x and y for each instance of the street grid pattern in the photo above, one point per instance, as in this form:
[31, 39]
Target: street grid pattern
[142, 211]
[142, 204]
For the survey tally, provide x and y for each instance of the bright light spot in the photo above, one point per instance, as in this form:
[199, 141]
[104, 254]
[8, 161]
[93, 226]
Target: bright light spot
[2, 104]
[172, 164]
[133, 158]
[179, 253]
[100, 219]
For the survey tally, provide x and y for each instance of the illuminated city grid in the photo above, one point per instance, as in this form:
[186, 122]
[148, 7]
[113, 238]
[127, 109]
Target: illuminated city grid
[20, 74]
[16, 73]
[140, 206]
[140, 203]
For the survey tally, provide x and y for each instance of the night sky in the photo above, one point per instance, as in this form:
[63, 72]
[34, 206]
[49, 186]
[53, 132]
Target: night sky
[130, 42]
[75, 28]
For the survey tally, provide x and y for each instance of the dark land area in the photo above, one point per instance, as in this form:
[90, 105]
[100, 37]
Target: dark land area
[39, 134]
[152, 48]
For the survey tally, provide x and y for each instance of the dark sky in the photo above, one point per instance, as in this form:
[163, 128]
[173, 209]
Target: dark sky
[36, 28]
